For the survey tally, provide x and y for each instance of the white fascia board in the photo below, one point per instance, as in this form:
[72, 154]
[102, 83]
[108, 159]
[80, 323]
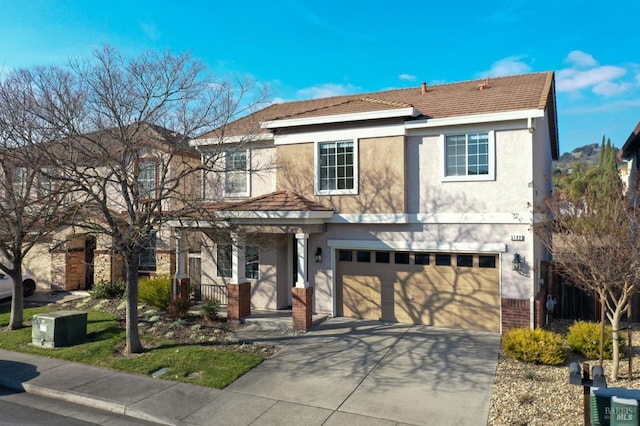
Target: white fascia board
[231, 139]
[268, 215]
[518, 218]
[340, 118]
[435, 218]
[476, 118]
[459, 247]
[370, 218]
[197, 224]
[343, 134]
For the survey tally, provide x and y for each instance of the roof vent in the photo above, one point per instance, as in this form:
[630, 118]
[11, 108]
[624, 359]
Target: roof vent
[424, 87]
[484, 85]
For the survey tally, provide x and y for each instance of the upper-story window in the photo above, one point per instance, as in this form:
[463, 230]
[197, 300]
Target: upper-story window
[469, 156]
[236, 173]
[47, 181]
[337, 167]
[147, 178]
[19, 182]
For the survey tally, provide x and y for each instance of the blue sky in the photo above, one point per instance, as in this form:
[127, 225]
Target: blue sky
[304, 49]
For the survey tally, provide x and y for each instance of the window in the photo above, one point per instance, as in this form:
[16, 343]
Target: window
[336, 168]
[47, 181]
[468, 156]
[148, 254]
[487, 261]
[464, 260]
[252, 262]
[345, 255]
[223, 260]
[443, 259]
[401, 257]
[363, 256]
[236, 175]
[147, 178]
[421, 258]
[19, 182]
[382, 257]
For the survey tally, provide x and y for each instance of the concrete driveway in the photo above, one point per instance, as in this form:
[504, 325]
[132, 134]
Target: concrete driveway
[368, 372]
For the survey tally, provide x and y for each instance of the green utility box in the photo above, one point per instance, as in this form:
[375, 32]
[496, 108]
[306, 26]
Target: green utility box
[602, 408]
[58, 329]
[624, 411]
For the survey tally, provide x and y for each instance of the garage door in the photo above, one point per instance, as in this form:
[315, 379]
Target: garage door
[444, 290]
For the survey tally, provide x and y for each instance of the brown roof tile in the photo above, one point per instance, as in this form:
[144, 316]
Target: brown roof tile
[526, 91]
[274, 201]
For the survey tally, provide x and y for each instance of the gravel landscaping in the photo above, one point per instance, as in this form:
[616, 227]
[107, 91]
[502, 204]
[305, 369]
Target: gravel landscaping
[527, 394]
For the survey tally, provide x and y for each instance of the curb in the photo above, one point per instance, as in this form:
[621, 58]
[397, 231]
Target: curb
[87, 401]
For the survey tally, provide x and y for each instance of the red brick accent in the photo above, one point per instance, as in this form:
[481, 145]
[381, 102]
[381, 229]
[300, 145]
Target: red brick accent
[302, 308]
[515, 313]
[238, 301]
[184, 288]
[540, 309]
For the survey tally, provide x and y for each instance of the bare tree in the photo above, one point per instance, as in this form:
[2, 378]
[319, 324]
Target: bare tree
[33, 201]
[595, 240]
[126, 150]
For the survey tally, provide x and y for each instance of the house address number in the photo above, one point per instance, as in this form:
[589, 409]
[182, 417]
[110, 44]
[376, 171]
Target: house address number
[517, 238]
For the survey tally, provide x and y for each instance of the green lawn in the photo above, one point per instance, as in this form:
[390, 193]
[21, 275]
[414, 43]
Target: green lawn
[208, 365]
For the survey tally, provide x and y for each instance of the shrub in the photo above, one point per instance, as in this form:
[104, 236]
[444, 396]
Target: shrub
[108, 290]
[210, 309]
[534, 346]
[155, 291]
[584, 337]
[178, 308]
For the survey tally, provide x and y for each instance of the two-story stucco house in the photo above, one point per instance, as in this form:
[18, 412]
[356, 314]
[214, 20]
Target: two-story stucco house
[76, 256]
[411, 205]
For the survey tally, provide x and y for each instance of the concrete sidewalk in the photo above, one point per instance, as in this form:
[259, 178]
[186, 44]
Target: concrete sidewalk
[341, 372]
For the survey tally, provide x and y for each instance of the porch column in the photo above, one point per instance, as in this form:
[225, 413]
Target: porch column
[239, 289]
[181, 282]
[302, 292]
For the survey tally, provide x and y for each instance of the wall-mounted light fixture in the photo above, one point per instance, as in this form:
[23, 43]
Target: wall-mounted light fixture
[318, 255]
[516, 263]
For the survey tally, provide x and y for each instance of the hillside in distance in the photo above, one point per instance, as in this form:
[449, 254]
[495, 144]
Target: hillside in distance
[588, 154]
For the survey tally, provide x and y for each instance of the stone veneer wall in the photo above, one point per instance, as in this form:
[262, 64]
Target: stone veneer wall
[107, 266]
[515, 313]
[165, 263]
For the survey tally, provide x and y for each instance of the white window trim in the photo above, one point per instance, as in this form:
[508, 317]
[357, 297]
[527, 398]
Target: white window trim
[316, 170]
[468, 178]
[247, 176]
[247, 262]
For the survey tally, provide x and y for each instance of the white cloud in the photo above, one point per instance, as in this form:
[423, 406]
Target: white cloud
[326, 90]
[570, 79]
[581, 59]
[608, 88]
[511, 65]
[407, 77]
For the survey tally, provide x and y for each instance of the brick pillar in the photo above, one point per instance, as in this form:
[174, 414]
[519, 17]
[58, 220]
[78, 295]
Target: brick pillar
[238, 301]
[184, 288]
[515, 313]
[302, 308]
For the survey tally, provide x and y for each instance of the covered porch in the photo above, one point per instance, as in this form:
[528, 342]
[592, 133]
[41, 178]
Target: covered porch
[259, 251]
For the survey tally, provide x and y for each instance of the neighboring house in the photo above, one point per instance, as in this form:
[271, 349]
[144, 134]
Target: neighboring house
[411, 205]
[74, 258]
[630, 152]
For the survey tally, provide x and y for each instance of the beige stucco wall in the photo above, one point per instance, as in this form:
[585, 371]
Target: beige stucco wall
[381, 176]
[262, 177]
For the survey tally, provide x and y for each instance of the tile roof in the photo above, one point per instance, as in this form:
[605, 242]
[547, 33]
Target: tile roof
[274, 201]
[519, 92]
